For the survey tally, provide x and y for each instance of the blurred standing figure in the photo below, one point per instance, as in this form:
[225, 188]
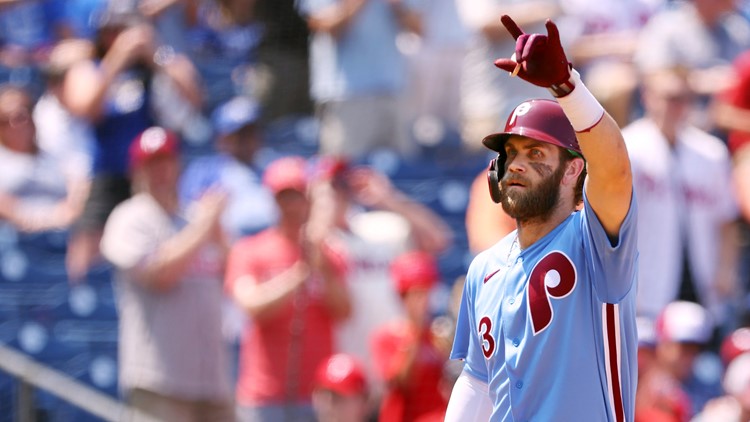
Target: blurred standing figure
[170, 261]
[374, 223]
[488, 96]
[406, 351]
[340, 393]
[290, 281]
[704, 36]
[233, 168]
[358, 74]
[112, 91]
[687, 213]
[38, 190]
[731, 111]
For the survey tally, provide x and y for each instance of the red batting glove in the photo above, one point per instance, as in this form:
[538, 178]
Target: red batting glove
[541, 57]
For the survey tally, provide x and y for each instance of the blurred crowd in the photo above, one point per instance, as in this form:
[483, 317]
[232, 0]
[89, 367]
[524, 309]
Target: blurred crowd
[276, 286]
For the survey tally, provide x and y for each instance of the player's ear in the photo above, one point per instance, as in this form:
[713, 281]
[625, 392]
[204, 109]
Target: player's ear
[573, 168]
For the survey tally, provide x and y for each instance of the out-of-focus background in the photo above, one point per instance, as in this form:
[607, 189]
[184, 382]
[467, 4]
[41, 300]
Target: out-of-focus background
[403, 88]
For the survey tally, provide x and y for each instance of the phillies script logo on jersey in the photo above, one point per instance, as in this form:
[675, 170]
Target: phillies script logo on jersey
[553, 277]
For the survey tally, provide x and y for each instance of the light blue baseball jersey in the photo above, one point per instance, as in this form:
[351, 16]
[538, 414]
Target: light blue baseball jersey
[551, 329]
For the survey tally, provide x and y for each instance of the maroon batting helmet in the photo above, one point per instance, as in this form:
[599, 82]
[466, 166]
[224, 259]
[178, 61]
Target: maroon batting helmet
[540, 119]
[543, 120]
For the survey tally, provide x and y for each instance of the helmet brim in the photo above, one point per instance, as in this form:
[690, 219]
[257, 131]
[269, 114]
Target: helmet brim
[496, 141]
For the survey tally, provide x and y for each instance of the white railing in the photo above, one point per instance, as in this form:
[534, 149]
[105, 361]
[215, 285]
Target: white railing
[32, 375]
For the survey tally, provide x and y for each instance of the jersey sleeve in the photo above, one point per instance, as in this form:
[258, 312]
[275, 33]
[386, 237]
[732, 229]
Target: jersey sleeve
[613, 262]
[466, 343]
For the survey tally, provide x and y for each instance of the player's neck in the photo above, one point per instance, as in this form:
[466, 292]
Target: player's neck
[531, 230]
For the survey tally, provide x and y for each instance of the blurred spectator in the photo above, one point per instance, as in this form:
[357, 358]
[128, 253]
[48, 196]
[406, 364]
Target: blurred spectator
[731, 112]
[223, 38]
[358, 74]
[283, 60]
[704, 36]
[687, 239]
[38, 191]
[169, 261]
[233, 169]
[290, 281]
[602, 36]
[373, 222]
[340, 392]
[27, 31]
[735, 405]
[486, 222]
[671, 385]
[113, 93]
[405, 351]
[487, 95]
[67, 137]
[435, 73]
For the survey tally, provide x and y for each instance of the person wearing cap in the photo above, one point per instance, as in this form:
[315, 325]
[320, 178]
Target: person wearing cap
[233, 168]
[289, 279]
[374, 222]
[340, 393]
[547, 326]
[113, 91]
[687, 218]
[406, 352]
[169, 262]
[683, 329]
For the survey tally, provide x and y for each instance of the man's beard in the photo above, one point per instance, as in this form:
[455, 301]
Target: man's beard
[536, 202]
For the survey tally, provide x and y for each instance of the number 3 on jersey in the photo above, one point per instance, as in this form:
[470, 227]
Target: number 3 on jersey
[488, 342]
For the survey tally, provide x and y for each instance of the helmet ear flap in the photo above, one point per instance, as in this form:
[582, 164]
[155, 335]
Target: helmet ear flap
[493, 179]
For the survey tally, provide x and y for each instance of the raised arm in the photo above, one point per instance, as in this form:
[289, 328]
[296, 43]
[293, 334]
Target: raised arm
[539, 59]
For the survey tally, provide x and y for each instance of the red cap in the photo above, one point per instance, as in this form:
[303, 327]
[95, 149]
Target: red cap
[342, 374]
[286, 173]
[414, 269]
[735, 344]
[152, 142]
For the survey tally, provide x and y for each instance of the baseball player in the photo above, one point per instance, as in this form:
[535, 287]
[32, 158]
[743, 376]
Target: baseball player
[547, 320]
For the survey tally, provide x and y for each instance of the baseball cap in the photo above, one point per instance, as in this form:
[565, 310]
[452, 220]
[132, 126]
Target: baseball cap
[152, 142]
[286, 173]
[735, 344]
[414, 269]
[342, 374]
[234, 114]
[684, 322]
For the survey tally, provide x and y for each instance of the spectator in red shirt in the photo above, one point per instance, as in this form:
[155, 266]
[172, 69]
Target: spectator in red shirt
[406, 352]
[291, 284]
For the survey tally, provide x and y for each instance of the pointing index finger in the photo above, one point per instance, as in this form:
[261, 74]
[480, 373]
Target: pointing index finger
[511, 26]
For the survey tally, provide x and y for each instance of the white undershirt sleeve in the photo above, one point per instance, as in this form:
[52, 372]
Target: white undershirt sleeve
[470, 400]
